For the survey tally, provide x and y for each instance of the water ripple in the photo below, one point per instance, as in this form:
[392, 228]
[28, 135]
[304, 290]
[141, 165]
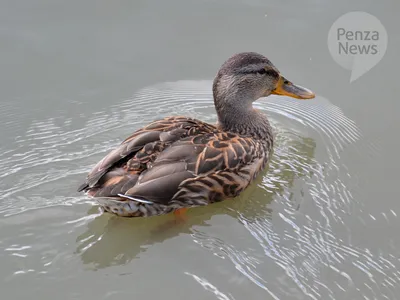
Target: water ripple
[292, 214]
[306, 178]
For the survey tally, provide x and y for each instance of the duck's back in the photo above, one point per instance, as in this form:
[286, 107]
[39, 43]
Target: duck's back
[172, 163]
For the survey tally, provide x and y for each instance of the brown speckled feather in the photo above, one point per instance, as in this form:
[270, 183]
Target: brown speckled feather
[175, 162]
[142, 147]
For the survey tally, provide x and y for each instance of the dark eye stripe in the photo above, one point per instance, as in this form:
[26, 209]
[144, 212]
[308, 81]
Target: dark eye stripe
[269, 72]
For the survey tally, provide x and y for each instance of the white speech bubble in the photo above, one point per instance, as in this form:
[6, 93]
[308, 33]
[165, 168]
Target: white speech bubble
[357, 41]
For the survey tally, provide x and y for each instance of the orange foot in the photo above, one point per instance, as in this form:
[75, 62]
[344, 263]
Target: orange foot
[180, 214]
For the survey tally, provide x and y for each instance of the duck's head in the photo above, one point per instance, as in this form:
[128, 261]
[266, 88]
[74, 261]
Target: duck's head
[246, 77]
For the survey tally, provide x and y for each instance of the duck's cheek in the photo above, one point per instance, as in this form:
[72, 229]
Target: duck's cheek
[266, 92]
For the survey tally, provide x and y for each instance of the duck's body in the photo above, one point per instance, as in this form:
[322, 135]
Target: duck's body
[173, 163]
[182, 162]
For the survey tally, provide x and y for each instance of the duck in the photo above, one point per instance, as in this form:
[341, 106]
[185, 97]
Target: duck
[180, 162]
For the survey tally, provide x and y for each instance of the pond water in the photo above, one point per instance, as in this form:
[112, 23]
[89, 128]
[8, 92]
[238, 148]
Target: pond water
[78, 77]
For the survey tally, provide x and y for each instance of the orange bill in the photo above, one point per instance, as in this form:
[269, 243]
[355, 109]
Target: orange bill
[287, 88]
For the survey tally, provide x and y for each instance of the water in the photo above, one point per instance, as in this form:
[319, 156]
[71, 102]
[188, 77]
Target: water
[77, 78]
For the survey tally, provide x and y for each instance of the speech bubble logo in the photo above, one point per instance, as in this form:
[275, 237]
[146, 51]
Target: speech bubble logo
[357, 41]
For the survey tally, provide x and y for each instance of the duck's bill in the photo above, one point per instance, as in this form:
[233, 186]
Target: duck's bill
[287, 88]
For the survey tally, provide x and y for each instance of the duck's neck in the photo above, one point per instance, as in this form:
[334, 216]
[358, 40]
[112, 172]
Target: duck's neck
[240, 117]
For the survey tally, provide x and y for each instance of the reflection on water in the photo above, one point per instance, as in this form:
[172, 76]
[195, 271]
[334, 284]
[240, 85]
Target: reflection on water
[293, 241]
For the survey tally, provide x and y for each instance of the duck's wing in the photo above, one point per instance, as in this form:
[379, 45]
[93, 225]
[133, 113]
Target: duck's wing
[125, 163]
[200, 169]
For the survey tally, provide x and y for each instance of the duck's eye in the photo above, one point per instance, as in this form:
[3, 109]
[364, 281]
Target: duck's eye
[268, 72]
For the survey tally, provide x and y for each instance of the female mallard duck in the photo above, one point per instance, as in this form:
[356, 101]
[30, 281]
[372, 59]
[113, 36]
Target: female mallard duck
[180, 162]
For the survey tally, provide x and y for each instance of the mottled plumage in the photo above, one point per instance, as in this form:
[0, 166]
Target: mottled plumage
[181, 162]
